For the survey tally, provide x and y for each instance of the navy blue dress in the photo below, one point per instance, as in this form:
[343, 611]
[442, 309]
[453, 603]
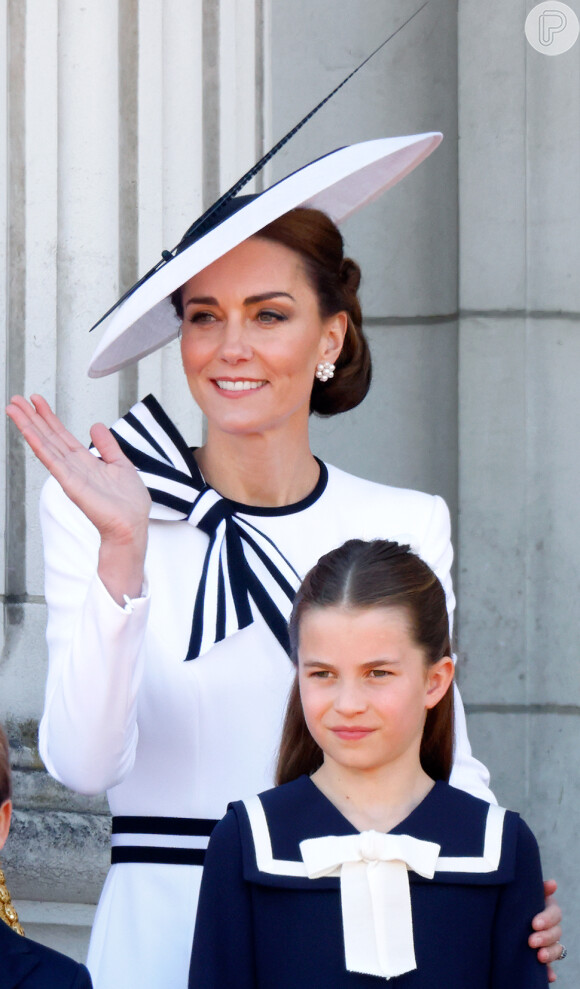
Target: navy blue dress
[263, 925]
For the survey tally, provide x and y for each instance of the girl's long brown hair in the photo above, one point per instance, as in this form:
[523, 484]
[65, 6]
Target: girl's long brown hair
[376, 574]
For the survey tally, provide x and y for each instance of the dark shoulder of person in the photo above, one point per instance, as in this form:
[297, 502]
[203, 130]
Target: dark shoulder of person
[25, 964]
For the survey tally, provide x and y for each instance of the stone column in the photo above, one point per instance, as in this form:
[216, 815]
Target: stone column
[109, 151]
[519, 422]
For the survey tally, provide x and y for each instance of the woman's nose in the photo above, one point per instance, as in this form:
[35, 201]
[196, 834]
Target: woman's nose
[234, 344]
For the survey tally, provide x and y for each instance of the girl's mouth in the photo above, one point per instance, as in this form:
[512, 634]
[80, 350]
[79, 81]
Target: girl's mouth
[351, 733]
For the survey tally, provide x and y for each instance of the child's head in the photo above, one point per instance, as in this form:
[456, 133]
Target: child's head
[357, 587]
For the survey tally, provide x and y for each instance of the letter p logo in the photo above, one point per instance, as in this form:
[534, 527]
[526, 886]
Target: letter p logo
[552, 27]
[551, 22]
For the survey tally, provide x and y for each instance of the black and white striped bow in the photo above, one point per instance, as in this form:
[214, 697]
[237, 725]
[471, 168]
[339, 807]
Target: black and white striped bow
[242, 565]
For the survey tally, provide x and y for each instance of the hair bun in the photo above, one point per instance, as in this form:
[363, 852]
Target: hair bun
[350, 274]
[335, 281]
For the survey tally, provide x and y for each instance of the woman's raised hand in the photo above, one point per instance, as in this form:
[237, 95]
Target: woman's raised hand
[108, 491]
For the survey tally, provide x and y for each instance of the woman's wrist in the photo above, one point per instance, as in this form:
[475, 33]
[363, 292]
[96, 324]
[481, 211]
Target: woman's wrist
[121, 566]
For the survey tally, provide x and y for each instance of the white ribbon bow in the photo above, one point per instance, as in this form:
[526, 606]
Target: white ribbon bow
[375, 894]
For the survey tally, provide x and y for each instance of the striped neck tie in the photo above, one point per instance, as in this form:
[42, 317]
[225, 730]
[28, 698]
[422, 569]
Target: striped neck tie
[242, 565]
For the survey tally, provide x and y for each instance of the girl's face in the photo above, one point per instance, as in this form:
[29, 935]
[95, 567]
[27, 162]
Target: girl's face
[252, 337]
[365, 686]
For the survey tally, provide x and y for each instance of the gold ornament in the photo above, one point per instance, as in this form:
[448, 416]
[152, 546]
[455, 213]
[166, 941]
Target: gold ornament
[7, 911]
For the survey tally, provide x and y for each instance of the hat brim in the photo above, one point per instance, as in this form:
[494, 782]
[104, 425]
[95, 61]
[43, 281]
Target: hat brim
[340, 183]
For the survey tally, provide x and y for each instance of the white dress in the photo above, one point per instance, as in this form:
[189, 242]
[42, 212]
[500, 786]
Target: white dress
[167, 738]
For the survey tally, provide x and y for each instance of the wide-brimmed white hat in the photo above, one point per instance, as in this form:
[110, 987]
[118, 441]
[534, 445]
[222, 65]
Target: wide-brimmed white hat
[339, 183]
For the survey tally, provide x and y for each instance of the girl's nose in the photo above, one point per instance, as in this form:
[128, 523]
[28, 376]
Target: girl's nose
[235, 345]
[349, 699]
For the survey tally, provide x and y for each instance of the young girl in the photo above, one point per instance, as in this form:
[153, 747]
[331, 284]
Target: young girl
[365, 864]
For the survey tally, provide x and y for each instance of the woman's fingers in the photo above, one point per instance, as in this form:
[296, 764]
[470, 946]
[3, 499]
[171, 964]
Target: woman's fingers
[550, 887]
[42, 430]
[546, 924]
[547, 930]
[107, 489]
[107, 445]
[37, 413]
[53, 427]
[51, 441]
[60, 452]
[33, 432]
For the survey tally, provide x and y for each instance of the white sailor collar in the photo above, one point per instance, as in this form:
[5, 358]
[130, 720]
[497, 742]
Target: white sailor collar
[477, 840]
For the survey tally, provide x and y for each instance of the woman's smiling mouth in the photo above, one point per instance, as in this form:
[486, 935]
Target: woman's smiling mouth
[240, 384]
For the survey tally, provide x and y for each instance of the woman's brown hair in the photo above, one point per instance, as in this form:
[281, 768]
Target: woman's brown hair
[376, 574]
[335, 279]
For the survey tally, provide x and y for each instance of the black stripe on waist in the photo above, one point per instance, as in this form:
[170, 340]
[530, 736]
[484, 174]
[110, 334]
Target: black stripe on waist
[132, 824]
[157, 856]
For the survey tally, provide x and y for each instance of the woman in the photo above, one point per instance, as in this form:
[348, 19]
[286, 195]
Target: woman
[267, 305]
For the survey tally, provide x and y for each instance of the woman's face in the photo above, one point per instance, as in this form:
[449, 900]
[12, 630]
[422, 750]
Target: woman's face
[365, 686]
[252, 337]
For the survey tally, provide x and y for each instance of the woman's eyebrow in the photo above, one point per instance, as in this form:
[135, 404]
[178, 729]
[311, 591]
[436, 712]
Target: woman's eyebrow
[267, 295]
[202, 300]
[209, 300]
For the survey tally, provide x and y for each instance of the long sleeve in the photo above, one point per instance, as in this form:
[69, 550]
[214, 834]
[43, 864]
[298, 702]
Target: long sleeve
[223, 942]
[436, 549]
[468, 772]
[514, 963]
[88, 732]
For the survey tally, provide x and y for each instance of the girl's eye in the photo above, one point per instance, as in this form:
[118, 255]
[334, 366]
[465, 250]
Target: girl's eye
[320, 674]
[376, 674]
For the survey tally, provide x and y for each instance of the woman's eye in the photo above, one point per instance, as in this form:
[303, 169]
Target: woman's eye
[376, 674]
[320, 674]
[269, 317]
[202, 317]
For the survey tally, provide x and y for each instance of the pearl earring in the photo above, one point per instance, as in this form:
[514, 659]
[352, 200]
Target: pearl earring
[325, 370]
